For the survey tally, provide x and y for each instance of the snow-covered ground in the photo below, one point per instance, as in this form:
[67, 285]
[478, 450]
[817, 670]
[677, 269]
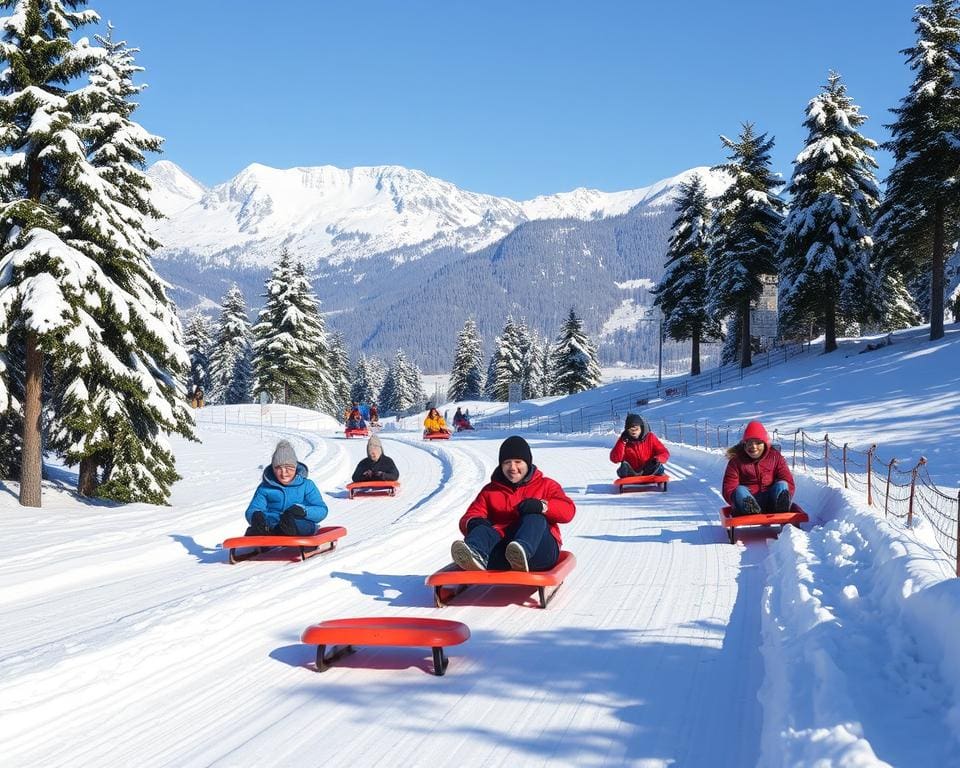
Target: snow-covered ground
[127, 638]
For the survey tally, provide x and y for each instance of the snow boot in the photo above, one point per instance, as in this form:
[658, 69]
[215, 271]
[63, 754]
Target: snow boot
[782, 503]
[751, 507]
[466, 558]
[517, 556]
[258, 525]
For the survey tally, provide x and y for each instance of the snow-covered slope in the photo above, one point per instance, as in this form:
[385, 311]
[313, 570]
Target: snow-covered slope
[172, 189]
[335, 215]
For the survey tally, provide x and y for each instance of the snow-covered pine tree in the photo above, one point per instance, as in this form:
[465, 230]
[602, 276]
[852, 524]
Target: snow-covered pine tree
[414, 379]
[490, 379]
[320, 365]
[196, 336]
[402, 388]
[682, 291]
[508, 359]
[231, 366]
[574, 361]
[290, 350]
[340, 373]
[466, 376]
[825, 255]
[541, 375]
[377, 373]
[745, 232]
[920, 214]
[78, 286]
[526, 348]
[361, 387]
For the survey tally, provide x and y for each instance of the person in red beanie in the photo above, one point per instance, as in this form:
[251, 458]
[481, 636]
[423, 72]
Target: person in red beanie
[638, 451]
[757, 478]
[513, 524]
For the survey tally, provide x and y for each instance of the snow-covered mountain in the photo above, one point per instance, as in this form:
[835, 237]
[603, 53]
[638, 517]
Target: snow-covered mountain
[334, 215]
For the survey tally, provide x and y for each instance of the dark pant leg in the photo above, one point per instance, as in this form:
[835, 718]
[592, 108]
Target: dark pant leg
[483, 538]
[532, 532]
[625, 470]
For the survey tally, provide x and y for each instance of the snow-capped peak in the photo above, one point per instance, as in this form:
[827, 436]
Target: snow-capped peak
[172, 188]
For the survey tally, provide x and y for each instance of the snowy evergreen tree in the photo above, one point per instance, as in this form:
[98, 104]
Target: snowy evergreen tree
[290, 351]
[527, 350]
[490, 379]
[508, 352]
[76, 283]
[825, 255]
[197, 339]
[540, 372]
[320, 364]
[466, 377]
[362, 388]
[745, 232]
[682, 292]
[377, 373]
[574, 361]
[340, 373]
[403, 388]
[231, 359]
[920, 214]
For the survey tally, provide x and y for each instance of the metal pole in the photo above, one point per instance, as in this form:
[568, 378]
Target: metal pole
[660, 355]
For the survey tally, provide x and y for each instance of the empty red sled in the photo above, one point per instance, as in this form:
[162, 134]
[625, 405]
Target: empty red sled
[356, 432]
[640, 482]
[794, 517]
[373, 488]
[390, 630]
[451, 581]
[308, 545]
[436, 435]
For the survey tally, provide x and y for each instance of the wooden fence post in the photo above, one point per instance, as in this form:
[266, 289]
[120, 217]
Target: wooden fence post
[886, 500]
[826, 456]
[845, 465]
[913, 486]
[870, 451]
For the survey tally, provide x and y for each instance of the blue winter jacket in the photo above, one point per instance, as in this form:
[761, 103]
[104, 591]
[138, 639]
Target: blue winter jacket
[272, 498]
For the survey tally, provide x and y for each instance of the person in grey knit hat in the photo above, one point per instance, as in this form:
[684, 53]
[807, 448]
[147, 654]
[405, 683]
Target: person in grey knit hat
[377, 465]
[287, 502]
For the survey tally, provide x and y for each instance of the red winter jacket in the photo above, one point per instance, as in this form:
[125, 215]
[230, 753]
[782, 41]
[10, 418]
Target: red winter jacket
[639, 452]
[756, 475]
[498, 500]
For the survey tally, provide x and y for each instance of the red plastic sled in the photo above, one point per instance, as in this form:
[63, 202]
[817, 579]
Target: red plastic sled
[309, 545]
[451, 581]
[639, 482]
[436, 435]
[356, 432]
[390, 630]
[794, 517]
[373, 488]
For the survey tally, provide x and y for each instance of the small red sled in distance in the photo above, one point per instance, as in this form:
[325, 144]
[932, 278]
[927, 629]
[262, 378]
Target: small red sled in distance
[373, 488]
[795, 516]
[308, 545]
[450, 581]
[436, 435]
[388, 630]
[356, 432]
[639, 482]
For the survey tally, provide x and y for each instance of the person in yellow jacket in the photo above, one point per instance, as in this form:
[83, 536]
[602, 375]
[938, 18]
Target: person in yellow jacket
[434, 422]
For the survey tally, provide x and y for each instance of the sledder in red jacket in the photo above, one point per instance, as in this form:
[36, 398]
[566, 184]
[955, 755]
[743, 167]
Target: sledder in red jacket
[513, 524]
[638, 450]
[757, 477]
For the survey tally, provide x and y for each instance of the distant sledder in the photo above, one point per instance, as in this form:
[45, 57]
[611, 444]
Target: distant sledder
[758, 485]
[461, 421]
[435, 427]
[285, 511]
[377, 474]
[355, 425]
[641, 456]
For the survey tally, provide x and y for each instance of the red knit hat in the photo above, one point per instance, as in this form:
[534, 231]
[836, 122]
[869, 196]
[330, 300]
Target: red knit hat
[756, 431]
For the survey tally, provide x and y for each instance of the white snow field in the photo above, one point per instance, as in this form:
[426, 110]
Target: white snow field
[129, 640]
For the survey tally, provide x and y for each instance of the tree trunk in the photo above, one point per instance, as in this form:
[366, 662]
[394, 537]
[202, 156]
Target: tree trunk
[829, 323]
[695, 352]
[746, 358]
[87, 482]
[31, 466]
[936, 278]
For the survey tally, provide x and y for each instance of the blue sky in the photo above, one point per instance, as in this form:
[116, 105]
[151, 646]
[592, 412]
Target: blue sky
[513, 98]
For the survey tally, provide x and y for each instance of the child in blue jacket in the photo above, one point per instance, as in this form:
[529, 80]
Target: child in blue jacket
[286, 503]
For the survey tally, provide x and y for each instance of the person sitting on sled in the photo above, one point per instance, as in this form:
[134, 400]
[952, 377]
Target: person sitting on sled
[513, 524]
[638, 451]
[286, 503]
[757, 478]
[377, 465]
[374, 414]
[434, 422]
[355, 418]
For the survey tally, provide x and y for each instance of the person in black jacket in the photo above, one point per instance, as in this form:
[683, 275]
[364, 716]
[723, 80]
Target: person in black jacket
[376, 466]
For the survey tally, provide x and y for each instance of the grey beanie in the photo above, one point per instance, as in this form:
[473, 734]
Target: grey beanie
[374, 442]
[284, 454]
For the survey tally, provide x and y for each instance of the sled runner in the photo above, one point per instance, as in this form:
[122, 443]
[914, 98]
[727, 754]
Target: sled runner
[794, 517]
[308, 545]
[639, 482]
[436, 435]
[437, 634]
[451, 581]
[373, 488]
[356, 432]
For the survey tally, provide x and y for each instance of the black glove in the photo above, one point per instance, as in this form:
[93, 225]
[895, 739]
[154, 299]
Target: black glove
[625, 436]
[378, 475]
[367, 473]
[530, 506]
[473, 522]
[296, 510]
